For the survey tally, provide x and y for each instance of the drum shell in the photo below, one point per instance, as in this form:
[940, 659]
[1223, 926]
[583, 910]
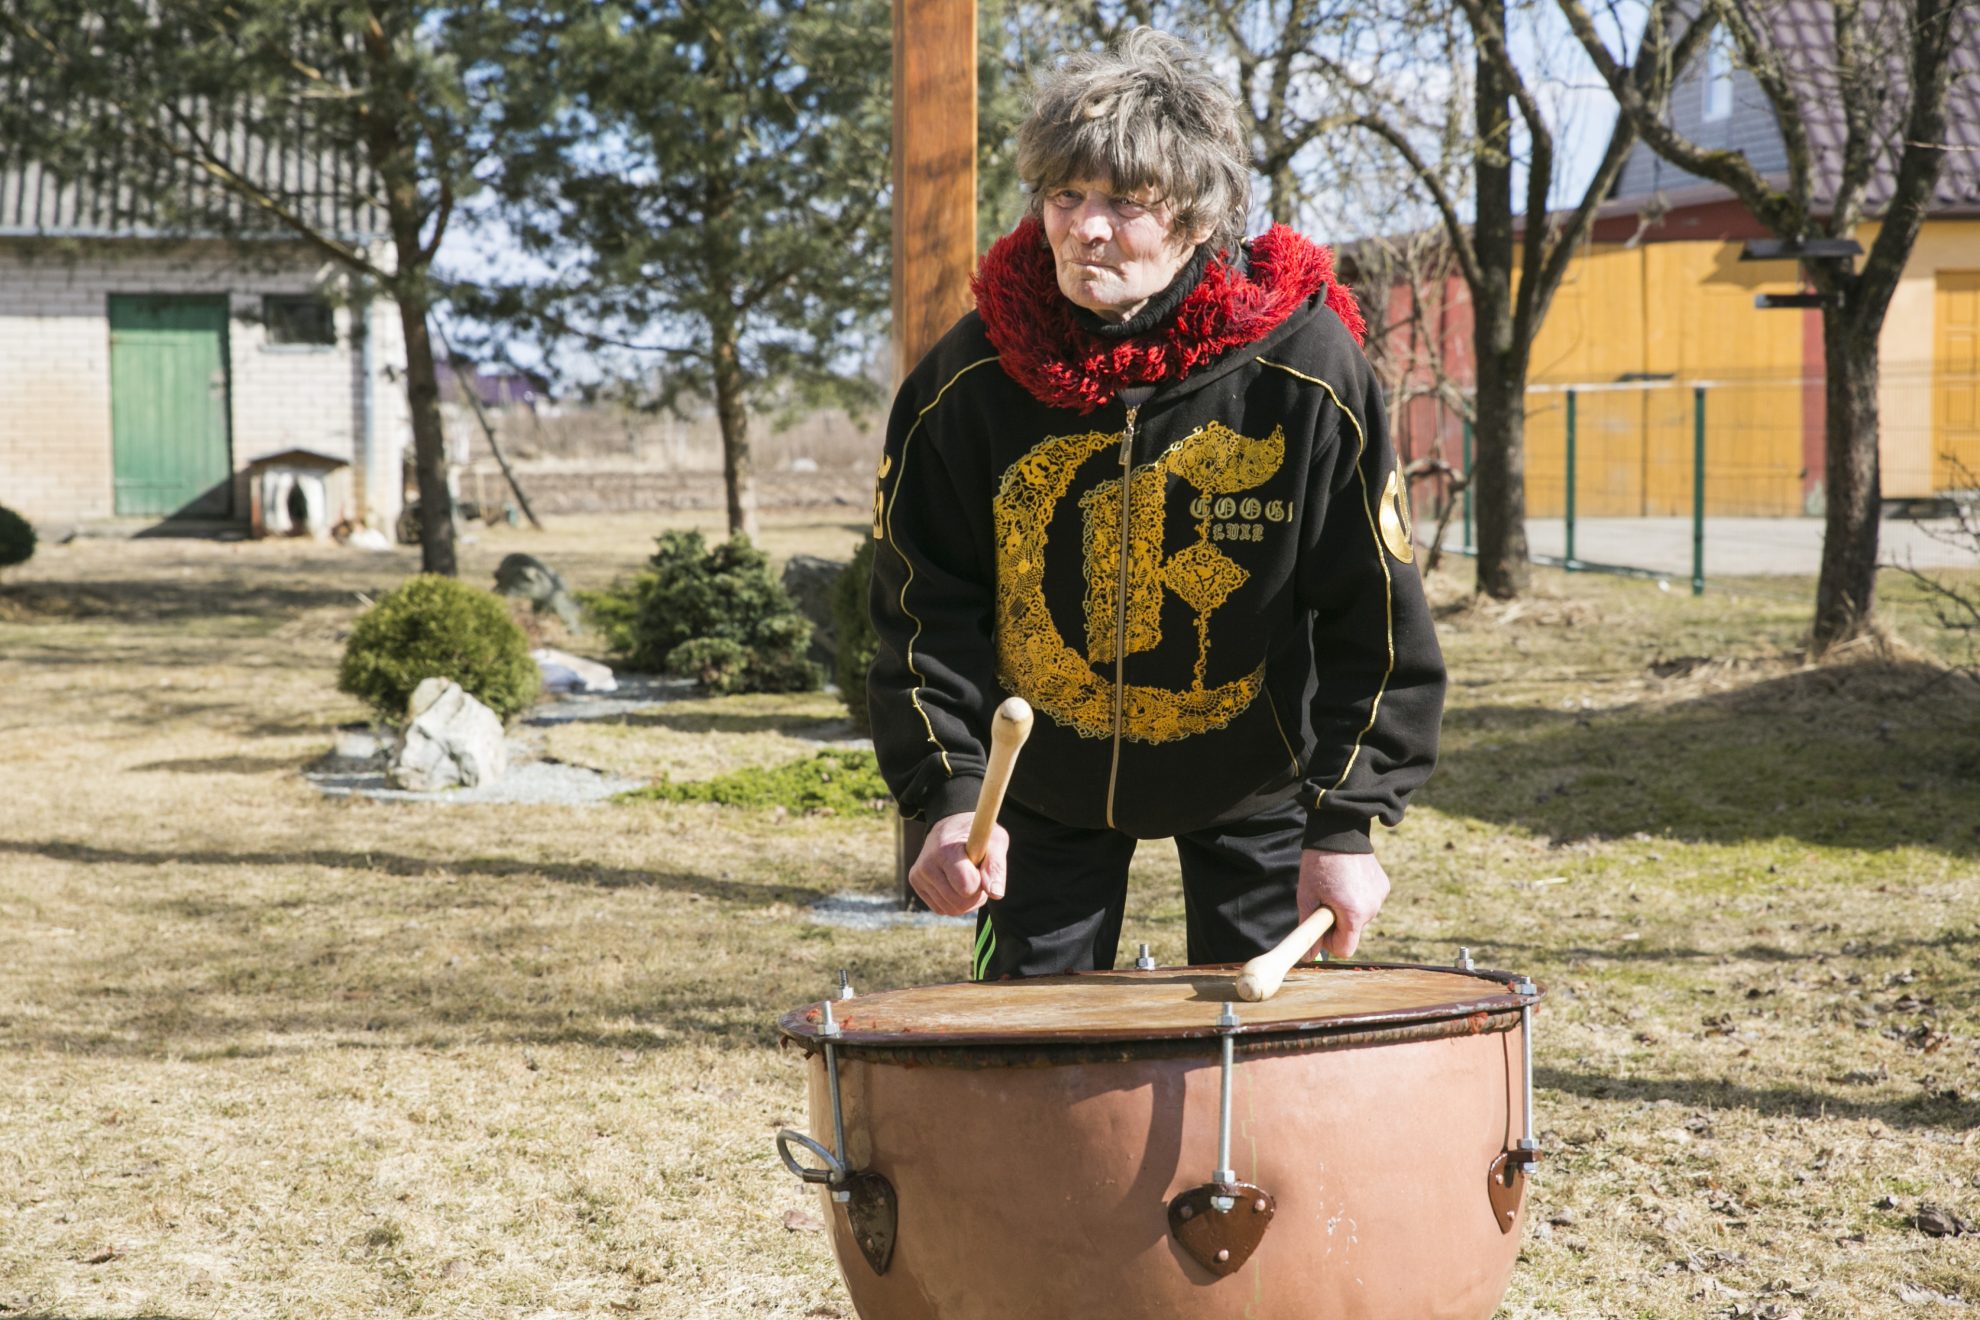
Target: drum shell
[1034, 1185]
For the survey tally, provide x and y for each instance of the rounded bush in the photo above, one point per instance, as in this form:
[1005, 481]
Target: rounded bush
[437, 627]
[854, 626]
[16, 538]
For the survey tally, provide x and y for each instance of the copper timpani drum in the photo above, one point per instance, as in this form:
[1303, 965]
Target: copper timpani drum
[1141, 1144]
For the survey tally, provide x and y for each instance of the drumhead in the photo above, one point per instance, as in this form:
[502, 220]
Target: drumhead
[1172, 1004]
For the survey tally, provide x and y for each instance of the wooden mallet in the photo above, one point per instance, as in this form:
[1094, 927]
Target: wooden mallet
[1263, 975]
[1009, 727]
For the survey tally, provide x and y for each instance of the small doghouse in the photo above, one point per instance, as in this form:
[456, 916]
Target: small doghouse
[298, 492]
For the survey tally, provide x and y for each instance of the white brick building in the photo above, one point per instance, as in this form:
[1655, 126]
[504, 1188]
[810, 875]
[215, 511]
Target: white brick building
[140, 376]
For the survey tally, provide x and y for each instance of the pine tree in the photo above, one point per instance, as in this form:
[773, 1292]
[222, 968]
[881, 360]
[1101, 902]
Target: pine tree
[705, 191]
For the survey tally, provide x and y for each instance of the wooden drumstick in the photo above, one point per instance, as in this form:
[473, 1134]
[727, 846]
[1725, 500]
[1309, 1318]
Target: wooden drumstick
[1008, 729]
[1263, 975]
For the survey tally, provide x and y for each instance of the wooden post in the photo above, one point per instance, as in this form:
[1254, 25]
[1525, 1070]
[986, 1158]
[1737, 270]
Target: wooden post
[934, 171]
[934, 212]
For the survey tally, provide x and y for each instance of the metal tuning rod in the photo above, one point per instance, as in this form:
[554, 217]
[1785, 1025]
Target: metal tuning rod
[1528, 1150]
[1227, 1022]
[1505, 1179]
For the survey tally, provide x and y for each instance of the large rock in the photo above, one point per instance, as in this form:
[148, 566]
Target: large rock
[529, 578]
[809, 580]
[452, 741]
[563, 672]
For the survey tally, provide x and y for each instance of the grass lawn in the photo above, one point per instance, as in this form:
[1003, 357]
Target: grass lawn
[269, 1053]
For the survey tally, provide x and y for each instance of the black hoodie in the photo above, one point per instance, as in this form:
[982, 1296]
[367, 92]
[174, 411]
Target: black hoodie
[1272, 638]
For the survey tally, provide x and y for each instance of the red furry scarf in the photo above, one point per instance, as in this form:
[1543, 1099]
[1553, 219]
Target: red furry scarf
[1043, 348]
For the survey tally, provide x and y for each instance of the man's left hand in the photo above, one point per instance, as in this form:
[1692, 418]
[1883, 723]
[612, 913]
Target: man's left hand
[1354, 885]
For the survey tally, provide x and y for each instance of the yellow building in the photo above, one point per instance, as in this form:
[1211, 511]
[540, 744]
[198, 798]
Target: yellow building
[1636, 329]
[1659, 305]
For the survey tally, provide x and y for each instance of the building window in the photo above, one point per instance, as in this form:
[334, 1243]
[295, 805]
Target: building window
[1718, 79]
[298, 319]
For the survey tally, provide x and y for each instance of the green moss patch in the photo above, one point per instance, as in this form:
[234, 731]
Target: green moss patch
[839, 780]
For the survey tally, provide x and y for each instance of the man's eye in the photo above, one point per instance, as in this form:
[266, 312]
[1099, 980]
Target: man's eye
[1129, 206]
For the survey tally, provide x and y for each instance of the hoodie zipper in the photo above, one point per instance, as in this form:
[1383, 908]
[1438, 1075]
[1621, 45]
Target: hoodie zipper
[1120, 610]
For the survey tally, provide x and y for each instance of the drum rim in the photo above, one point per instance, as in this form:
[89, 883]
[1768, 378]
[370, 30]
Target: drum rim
[1457, 1017]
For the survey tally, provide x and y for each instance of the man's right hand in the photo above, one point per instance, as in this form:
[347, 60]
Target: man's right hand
[948, 882]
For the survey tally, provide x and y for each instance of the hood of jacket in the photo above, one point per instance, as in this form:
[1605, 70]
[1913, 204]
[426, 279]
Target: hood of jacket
[1042, 346]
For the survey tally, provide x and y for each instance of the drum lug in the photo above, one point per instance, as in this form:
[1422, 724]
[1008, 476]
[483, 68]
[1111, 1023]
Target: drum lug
[873, 1214]
[1221, 1240]
[1505, 1184]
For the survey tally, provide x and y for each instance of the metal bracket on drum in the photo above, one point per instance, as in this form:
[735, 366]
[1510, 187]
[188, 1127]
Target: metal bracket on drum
[1505, 1180]
[1221, 1222]
[872, 1209]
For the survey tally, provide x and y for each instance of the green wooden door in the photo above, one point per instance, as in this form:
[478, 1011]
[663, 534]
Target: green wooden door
[168, 406]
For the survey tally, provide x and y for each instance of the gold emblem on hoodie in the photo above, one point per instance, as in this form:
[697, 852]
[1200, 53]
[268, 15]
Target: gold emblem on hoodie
[1034, 659]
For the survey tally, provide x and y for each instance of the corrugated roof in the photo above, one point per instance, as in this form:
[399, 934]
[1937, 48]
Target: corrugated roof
[1804, 34]
[150, 194]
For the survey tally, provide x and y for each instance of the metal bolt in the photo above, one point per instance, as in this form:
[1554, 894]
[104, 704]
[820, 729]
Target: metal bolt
[1223, 1205]
[1223, 1254]
[1228, 1018]
[845, 985]
[841, 1196]
[826, 1025]
[1464, 959]
[1258, 1206]
[1186, 1212]
[1144, 962]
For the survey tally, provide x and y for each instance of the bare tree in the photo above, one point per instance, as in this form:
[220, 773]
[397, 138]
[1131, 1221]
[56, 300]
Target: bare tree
[1405, 284]
[1511, 249]
[1861, 103]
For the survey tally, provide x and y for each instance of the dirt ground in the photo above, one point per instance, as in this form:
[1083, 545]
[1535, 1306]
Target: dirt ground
[268, 1053]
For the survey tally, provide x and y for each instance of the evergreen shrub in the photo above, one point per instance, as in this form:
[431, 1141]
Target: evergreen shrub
[438, 627]
[854, 625]
[717, 616]
[16, 538]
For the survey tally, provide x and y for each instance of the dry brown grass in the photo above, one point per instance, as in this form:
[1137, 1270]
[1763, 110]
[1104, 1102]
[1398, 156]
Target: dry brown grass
[264, 1053]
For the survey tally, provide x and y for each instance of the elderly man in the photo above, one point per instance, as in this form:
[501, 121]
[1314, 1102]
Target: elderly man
[1148, 487]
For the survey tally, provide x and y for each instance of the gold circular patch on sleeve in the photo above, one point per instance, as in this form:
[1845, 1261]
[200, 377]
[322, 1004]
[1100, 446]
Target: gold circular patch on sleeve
[1394, 519]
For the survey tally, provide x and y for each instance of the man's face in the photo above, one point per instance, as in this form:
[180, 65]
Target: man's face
[1114, 251]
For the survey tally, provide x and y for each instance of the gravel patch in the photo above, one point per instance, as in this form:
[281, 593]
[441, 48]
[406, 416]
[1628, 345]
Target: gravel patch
[357, 767]
[874, 912]
[636, 692]
[533, 782]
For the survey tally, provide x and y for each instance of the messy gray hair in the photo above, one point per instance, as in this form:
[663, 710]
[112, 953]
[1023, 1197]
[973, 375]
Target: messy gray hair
[1147, 114]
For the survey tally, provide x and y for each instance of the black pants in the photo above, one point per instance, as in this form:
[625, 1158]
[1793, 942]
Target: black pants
[1068, 887]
